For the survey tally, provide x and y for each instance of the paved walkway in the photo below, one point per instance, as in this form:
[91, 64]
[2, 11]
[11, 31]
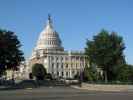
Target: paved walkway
[97, 87]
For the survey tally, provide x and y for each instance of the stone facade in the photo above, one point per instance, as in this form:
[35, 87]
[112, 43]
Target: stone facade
[49, 52]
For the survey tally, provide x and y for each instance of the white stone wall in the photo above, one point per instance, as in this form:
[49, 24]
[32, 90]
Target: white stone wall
[63, 65]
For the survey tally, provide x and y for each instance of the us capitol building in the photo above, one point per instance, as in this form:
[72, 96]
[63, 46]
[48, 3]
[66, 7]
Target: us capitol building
[50, 52]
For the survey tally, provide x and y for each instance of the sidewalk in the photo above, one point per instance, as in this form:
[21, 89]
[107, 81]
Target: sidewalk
[99, 87]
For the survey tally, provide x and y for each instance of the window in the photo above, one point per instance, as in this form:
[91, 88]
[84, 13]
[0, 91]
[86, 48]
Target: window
[62, 73]
[52, 58]
[76, 65]
[57, 73]
[37, 54]
[66, 65]
[71, 64]
[73, 72]
[66, 74]
[80, 64]
[56, 58]
[62, 65]
[61, 58]
[48, 42]
[77, 58]
[52, 65]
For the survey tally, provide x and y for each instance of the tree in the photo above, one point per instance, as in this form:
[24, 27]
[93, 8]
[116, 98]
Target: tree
[125, 73]
[30, 76]
[10, 54]
[48, 76]
[91, 74]
[38, 71]
[87, 74]
[106, 51]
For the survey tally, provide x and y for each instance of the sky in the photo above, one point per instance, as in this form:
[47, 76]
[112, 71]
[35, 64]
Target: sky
[74, 20]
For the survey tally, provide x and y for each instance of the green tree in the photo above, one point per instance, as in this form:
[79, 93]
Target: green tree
[91, 74]
[106, 51]
[10, 53]
[88, 74]
[125, 73]
[48, 76]
[38, 71]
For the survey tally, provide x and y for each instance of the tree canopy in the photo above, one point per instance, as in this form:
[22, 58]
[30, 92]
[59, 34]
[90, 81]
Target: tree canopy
[125, 73]
[38, 71]
[89, 74]
[10, 53]
[106, 51]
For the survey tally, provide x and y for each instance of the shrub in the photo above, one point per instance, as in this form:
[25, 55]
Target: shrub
[38, 71]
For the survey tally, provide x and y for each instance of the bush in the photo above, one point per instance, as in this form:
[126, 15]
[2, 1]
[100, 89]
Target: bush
[49, 76]
[38, 71]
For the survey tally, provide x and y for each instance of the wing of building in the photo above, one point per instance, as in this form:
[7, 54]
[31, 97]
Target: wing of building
[50, 52]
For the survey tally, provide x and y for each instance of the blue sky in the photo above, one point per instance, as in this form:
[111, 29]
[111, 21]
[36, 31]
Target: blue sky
[74, 20]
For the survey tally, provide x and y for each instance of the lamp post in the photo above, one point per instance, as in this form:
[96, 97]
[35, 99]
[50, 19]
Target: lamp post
[81, 77]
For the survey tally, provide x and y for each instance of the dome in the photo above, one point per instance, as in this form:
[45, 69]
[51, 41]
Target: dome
[49, 38]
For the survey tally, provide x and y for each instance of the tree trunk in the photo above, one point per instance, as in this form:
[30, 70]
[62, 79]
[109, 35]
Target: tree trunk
[105, 76]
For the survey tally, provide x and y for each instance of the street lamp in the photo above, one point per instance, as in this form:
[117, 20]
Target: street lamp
[81, 77]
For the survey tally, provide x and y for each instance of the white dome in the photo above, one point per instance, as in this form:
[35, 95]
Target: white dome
[49, 38]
